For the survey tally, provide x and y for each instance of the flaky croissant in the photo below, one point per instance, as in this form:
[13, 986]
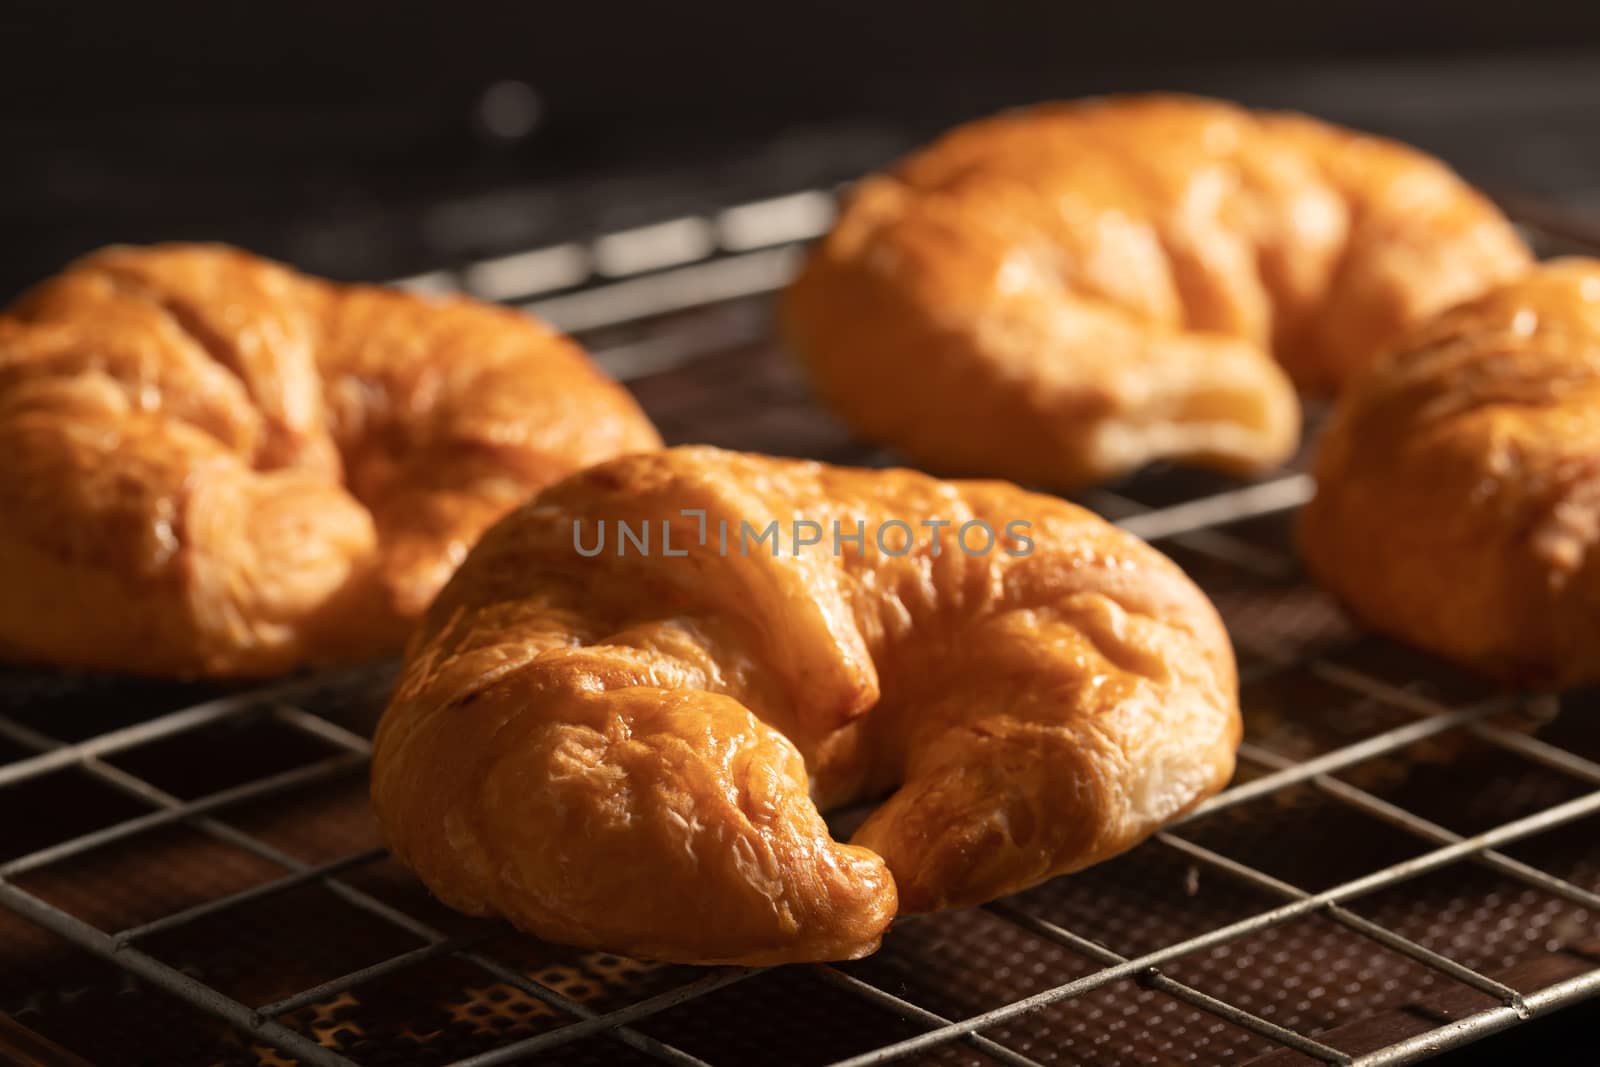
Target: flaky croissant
[1061, 294]
[627, 747]
[216, 466]
[1458, 483]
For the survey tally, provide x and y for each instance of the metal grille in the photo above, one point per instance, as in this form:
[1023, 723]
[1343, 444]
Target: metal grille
[1405, 862]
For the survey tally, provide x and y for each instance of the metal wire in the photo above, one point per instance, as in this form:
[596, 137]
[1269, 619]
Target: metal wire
[1156, 980]
[757, 242]
[170, 809]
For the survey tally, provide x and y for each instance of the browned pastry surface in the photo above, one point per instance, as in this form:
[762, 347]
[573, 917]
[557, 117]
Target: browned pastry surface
[1060, 294]
[630, 751]
[1458, 483]
[214, 465]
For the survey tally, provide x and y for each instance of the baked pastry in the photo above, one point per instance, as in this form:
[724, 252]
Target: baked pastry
[1458, 483]
[216, 466]
[1061, 294]
[627, 749]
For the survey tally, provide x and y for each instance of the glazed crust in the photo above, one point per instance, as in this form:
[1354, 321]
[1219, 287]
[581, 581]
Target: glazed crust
[1458, 483]
[630, 752]
[1062, 294]
[216, 466]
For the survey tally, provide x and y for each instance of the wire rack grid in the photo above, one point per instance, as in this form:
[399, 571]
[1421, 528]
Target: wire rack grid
[679, 310]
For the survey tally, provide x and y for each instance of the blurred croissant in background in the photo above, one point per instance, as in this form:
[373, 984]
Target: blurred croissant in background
[1061, 294]
[217, 466]
[1458, 483]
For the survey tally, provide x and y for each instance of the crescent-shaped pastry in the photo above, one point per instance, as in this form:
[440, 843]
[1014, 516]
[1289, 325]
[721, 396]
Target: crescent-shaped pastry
[628, 747]
[1458, 483]
[1061, 294]
[216, 466]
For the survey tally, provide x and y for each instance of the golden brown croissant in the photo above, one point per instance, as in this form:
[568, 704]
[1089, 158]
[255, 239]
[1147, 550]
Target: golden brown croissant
[1458, 483]
[627, 748]
[1061, 294]
[216, 466]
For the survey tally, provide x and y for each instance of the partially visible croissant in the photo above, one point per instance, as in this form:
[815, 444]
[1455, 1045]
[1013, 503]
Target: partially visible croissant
[1458, 483]
[216, 466]
[627, 748]
[1061, 294]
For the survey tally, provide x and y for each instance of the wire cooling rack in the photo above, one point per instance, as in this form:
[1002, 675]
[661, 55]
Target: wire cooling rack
[1406, 862]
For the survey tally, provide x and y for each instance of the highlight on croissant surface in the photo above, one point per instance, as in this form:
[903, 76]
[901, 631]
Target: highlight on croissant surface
[215, 466]
[1063, 293]
[632, 750]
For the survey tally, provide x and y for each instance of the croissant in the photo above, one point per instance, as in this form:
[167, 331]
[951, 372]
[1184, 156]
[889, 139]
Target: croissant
[1458, 483]
[216, 466]
[1061, 294]
[620, 719]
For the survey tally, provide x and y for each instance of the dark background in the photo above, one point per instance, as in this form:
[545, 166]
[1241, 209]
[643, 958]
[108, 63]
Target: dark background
[350, 137]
